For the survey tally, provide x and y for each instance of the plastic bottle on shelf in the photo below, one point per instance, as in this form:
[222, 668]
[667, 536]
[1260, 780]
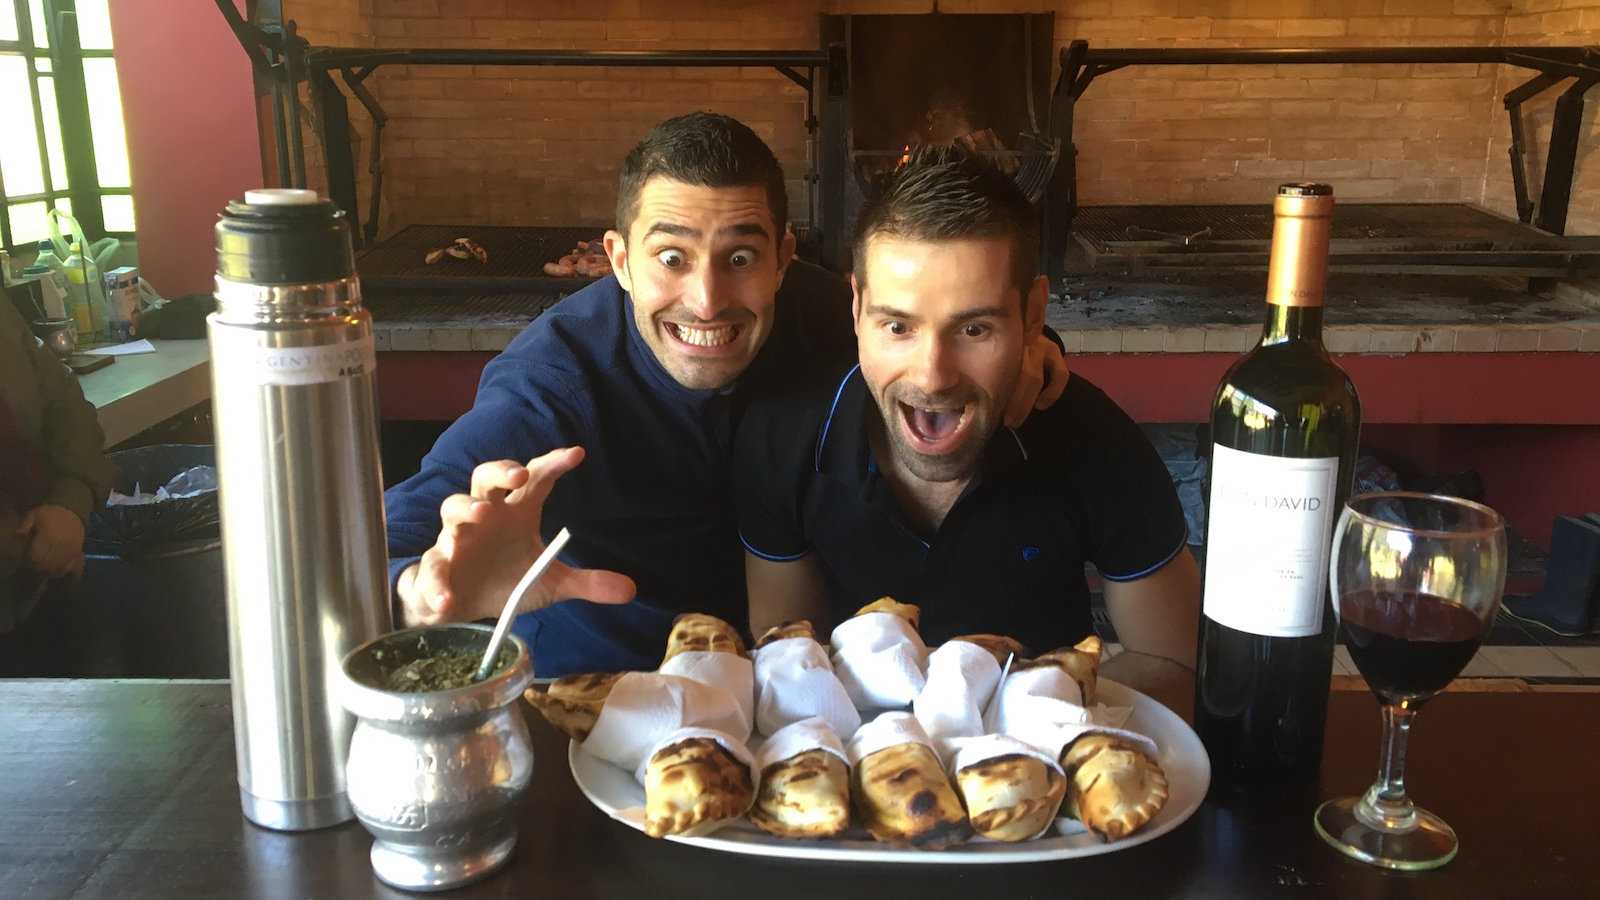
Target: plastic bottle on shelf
[85, 292]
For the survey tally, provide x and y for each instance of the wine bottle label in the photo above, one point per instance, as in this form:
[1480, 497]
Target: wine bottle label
[1268, 541]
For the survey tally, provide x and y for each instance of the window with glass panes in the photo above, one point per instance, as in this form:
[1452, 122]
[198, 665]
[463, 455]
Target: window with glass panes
[61, 135]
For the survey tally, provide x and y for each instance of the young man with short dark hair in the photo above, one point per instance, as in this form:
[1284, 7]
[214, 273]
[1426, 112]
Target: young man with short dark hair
[902, 478]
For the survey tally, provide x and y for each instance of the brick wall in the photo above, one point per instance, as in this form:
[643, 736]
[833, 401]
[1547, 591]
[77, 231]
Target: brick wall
[529, 145]
[1570, 22]
[342, 23]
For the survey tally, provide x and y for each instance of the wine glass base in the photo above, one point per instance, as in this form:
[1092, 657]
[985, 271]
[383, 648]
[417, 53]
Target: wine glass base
[1429, 845]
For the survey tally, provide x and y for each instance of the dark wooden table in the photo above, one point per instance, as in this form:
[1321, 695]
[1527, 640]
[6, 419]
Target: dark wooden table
[126, 789]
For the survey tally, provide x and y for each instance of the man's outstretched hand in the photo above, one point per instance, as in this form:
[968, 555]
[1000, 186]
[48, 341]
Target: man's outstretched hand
[489, 539]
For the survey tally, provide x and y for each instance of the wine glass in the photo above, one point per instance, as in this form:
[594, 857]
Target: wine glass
[1417, 579]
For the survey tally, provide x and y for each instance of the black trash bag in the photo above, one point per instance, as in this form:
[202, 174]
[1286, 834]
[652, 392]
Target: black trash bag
[135, 530]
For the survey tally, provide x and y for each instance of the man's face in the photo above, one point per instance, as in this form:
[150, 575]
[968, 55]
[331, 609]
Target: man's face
[941, 330]
[703, 265]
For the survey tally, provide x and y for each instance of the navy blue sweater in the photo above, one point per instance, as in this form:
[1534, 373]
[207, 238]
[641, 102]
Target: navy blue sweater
[651, 499]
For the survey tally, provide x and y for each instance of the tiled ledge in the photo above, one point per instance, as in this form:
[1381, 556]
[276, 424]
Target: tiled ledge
[1100, 314]
[1381, 339]
[1343, 339]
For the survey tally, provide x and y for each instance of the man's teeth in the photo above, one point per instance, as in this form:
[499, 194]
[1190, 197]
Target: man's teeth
[704, 337]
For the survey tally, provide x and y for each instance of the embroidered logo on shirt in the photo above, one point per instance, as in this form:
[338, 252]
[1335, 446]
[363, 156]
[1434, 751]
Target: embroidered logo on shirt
[1029, 554]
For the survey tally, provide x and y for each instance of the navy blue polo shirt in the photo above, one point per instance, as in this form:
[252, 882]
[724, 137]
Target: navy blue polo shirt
[651, 499]
[1077, 483]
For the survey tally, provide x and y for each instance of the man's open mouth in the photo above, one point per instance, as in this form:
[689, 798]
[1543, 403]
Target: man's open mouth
[934, 430]
[703, 336]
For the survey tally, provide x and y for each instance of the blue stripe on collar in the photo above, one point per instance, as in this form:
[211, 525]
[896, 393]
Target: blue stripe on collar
[1018, 438]
[827, 423]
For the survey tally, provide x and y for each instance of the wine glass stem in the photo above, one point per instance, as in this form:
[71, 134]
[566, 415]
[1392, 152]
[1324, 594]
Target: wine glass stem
[1385, 805]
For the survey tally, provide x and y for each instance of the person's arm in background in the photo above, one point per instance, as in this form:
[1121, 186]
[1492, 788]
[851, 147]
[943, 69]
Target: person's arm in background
[80, 476]
[1157, 619]
[783, 591]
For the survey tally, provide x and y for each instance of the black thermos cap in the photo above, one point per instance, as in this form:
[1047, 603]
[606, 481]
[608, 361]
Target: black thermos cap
[283, 236]
[1305, 189]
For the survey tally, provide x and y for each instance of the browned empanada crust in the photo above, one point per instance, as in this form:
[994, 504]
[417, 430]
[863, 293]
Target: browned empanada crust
[1011, 797]
[693, 785]
[904, 797]
[1114, 788]
[998, 644]
[573, 703]
[797, 628]
[908, 611]
[698, 631]
[804, 796]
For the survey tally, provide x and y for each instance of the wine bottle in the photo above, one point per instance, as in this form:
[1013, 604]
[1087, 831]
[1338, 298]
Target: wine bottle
[1284, 428]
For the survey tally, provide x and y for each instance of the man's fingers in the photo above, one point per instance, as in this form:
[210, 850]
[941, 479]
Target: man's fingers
[563, 582]
[1029, 380]
[492, 480]
[544, 470]
[1056, 373]
[460, 509]
[431, 588]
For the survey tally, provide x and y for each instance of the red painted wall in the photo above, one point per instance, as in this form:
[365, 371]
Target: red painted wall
[190, 111]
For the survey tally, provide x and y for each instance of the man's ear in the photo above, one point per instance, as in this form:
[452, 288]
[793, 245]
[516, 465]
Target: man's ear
[1033, 306]
[855, 303]
[786, 245]
[617, 252]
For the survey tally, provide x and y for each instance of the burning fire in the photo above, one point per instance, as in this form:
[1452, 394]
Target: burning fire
[905, 156]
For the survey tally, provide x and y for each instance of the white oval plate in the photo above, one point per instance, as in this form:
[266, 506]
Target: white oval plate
[1182, 757]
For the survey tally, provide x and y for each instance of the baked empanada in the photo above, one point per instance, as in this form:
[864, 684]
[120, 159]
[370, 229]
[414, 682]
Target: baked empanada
[804, 796]
[904, 797]
[572, 704]
[1081, 662]
[698, 631]
[797, 628]
[1114, 788]
[1012, 797]
[693, 787]
[998, 644]
[908, 611]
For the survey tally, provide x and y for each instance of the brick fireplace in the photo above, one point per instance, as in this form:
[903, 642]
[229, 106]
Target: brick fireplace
[531, 145]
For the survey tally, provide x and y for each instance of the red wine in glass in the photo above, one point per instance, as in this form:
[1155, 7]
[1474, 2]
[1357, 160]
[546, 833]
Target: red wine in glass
[1408, 645]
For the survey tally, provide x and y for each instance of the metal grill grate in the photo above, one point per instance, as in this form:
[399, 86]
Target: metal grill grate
[1377, 236]
[516, 259]
[406, 308]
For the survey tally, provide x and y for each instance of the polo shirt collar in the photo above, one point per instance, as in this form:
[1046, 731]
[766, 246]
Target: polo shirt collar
[844, 451]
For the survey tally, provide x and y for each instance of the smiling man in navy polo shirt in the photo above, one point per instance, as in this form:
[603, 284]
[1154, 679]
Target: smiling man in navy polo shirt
[900, 477]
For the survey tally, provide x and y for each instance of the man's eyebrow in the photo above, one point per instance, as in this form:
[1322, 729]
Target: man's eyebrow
[879, 309]
[982, 312]
[744, 229]
[672, 229]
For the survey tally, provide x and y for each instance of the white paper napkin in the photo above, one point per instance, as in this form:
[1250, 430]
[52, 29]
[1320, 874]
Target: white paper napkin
[1044, 707]
[792, 740]
[889, 729]
[645, 708]
[724, 671]
[880, 659]
[795, 681]
[962, 677]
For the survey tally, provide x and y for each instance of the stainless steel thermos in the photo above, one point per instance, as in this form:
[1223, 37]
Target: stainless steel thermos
[300, 491]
